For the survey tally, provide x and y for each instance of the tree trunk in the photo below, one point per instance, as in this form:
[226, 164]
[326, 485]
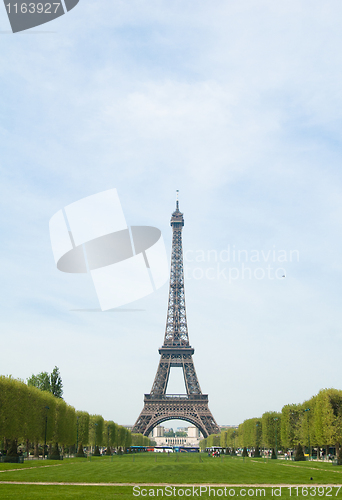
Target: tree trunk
[13, 450]
[7, 445]
[338, 454]
[80, 452]
[54, 453]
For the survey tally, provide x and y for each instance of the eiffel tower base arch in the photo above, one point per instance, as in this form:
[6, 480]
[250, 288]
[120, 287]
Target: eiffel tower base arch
[191, 408]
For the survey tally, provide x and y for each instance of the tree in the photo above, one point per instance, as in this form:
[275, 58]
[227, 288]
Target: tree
[271, 424]
[137, 440]
[96, 432]
[50, 383]
[32, 415]
[148, 442]
[82, 431]
[56, 383]
[41, 381]
[290, 425]
[128, 439]
[23, 412]
[121, 437]
[328, 420]
[203, 444]
[223, 438]
[324, 419]
[213, 440]
[250, 433]
[110, 431]
[169, 433]
[232, 436]
[65, 425]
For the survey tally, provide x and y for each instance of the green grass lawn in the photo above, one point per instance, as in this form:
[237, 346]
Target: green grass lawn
[173, 469]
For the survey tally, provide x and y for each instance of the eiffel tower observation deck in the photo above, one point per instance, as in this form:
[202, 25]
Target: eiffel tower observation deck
[176, 352]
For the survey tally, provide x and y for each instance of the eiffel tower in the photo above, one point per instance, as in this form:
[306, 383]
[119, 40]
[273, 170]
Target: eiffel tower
[176, 352]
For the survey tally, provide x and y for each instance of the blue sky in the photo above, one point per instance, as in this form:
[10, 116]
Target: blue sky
[237, 105]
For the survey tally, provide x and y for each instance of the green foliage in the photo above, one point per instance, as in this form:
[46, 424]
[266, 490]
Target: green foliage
[271, 424]
[137, 440]
[128, 439]
[24, 410]
[110, 433]
[41, 381]
[223, 438]
[250, 433]
[124, 437]
[327, 417]
[316, 422]
[65, 423]
[12, 413]
[169, 433]
[203, 444]
[50, 383]
[232, 437]
[148, 441]
[227, 439]
[83, 419]
[213, 440]
[29, 414]
[96, 427]
[290, 425]
[121, 439]
[56, 383]
[240, 439]
[181, 434]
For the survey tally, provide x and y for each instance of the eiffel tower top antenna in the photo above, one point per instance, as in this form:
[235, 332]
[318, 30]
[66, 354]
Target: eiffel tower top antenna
[177, 202]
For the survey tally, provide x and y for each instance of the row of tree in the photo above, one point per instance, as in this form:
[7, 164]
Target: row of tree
[314, 423]
[140, 440]
[30, 415]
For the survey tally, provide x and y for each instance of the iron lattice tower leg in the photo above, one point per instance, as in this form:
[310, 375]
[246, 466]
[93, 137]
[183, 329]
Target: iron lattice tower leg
[176, 351]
